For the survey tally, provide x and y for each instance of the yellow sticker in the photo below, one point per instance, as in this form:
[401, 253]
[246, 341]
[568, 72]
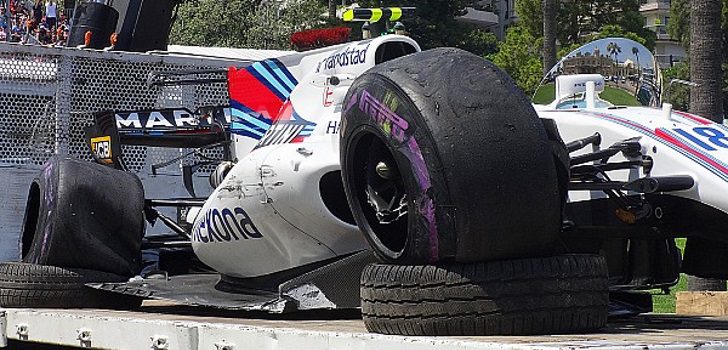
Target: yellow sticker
[376, 15]
[396, 13]
[348, 15]
[101, 147]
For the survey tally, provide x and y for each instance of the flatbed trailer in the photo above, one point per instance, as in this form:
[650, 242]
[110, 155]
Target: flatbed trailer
[163, 326]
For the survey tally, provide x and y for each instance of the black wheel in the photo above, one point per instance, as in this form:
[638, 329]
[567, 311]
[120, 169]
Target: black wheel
[42, 286]
[562, 294]
[84, 215]
[443, 159]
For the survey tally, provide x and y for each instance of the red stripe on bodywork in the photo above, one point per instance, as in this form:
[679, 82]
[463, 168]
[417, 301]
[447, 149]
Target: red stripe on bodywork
[661, 134]
[695, 118]
[668, 138]
[245, 89]
[622, 120]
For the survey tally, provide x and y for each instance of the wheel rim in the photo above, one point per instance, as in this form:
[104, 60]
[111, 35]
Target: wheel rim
[380, 192]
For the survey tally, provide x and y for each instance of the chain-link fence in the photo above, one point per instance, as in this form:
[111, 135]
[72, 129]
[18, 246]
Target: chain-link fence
[47, 97]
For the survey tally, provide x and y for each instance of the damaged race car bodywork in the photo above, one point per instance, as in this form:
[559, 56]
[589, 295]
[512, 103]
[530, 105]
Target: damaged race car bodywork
[277, 226]
[475, 203]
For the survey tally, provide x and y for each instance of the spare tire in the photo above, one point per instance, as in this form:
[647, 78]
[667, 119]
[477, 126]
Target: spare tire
[84, 215]
[561, 294]
[42, 286]
[444, 159]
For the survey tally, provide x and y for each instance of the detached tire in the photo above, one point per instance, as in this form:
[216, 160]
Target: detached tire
[40, 286]
[562, 294]
[444, 159]
[84, 215]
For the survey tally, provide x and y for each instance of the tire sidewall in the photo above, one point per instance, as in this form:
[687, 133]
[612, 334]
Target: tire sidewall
[414, 153]
[90, 216]
[47, 183]
[492, 178]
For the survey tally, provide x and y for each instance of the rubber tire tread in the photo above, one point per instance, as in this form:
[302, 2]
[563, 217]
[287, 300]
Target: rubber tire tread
[552, 295]
[26, 285]
[472, 154]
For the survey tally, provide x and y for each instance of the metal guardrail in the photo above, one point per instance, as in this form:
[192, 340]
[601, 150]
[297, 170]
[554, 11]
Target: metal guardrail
[48, 95]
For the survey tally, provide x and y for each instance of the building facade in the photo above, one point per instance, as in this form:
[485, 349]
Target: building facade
[494, 16]
[656, 13]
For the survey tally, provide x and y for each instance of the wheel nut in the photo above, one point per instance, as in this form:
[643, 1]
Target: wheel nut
[384, 171]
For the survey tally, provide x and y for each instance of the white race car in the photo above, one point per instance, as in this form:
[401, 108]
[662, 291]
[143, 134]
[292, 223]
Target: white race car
[476, 217]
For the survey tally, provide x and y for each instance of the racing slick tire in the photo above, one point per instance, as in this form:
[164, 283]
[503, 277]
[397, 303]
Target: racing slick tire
[560, 294]
[41, 286]
[444, 159]
[84, 215]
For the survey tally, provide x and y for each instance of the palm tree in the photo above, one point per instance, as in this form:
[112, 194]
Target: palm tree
[614, 50]
[706, 98]
[705, 59]
[549, 8]
[636, 53]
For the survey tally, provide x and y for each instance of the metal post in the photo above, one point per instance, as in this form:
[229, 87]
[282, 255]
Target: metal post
[63, 104]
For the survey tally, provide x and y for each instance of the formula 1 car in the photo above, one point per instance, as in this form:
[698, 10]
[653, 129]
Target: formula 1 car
[477, 217]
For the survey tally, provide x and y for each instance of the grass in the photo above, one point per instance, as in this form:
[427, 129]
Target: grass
[665, 303]
[619, 97]
[545, 95]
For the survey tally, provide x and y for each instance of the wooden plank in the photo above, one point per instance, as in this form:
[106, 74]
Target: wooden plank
[702, 303]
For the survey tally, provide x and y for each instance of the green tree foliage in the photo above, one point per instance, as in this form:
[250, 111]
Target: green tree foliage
[579, 20]
[479, 42]
[244, 23]
[615, 31]
[272, 25]
[678, 95]
[262, 24]
[530, 16]
[213, 23]
[679, 25]
[520, 55]
[565, 50]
